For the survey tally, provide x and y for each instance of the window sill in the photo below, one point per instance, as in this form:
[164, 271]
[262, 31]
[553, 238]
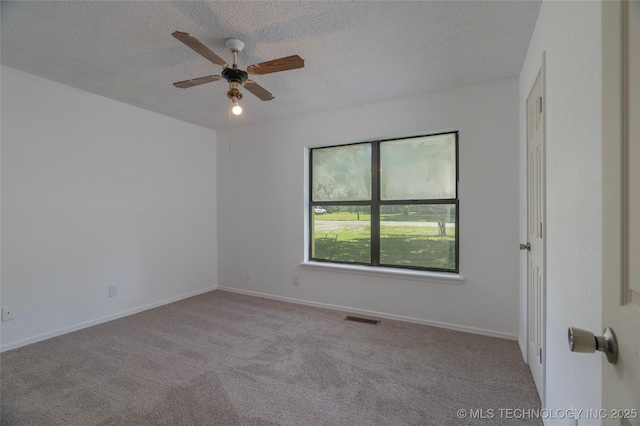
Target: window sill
[410, 274]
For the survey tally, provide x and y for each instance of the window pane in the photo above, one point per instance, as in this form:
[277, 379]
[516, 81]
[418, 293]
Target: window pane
[418, 235]
[341, 173]
[341, 233]
[418, 168]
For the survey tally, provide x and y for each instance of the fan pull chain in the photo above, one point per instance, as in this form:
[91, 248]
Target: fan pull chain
[229, 130]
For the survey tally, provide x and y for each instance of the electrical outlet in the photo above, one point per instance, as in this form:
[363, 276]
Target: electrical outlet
[249, 273]
[296, 280]
[113, 290]
[8, 313]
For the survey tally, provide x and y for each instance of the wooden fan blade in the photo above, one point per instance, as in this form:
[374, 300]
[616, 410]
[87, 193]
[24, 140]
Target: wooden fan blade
[258, 90]
[195, 44]
[276, 65]
[197, 81]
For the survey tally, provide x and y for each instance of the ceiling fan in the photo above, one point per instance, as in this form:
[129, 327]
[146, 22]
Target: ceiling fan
[236, 77]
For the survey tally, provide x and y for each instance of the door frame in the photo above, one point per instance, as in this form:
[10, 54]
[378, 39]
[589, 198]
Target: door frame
[524, 275]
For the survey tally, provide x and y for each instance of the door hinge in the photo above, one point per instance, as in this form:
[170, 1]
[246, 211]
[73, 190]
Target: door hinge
[540, 229]
[540, 104]
[540, 356]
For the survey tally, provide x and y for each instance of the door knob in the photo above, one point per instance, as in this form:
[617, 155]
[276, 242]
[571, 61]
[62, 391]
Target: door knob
[526, 247]
[585, 341]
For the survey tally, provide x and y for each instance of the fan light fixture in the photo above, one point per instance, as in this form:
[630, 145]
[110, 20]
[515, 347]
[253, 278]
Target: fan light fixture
[236, 109]
[237, 78]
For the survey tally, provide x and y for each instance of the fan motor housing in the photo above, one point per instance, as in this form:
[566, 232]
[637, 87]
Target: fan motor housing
[234, 75]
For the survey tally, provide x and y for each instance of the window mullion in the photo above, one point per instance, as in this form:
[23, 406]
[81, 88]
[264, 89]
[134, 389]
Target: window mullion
[375, 204]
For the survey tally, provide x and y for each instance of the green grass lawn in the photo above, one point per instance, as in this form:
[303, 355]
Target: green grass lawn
[364, 217]
[394, 217]
[419, 246]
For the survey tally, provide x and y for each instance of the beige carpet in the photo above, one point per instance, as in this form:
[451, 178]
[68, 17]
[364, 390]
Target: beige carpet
[228, 359]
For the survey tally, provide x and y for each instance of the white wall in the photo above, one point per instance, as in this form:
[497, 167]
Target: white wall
[570, 34]
[96, 192]
[261, 204]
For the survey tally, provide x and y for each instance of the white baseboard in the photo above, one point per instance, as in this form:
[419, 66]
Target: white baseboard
[449, 326]
[76, 327]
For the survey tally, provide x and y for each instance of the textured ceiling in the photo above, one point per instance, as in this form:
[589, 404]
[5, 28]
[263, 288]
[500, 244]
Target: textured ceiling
[355, 52]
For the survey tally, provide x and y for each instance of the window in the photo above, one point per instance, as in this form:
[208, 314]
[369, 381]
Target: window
[390, 203]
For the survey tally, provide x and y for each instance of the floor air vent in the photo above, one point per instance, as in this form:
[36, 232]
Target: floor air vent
[364, 320]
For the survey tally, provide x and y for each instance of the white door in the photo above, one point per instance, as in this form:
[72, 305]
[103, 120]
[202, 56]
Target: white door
[535, 258]
[621, 207]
